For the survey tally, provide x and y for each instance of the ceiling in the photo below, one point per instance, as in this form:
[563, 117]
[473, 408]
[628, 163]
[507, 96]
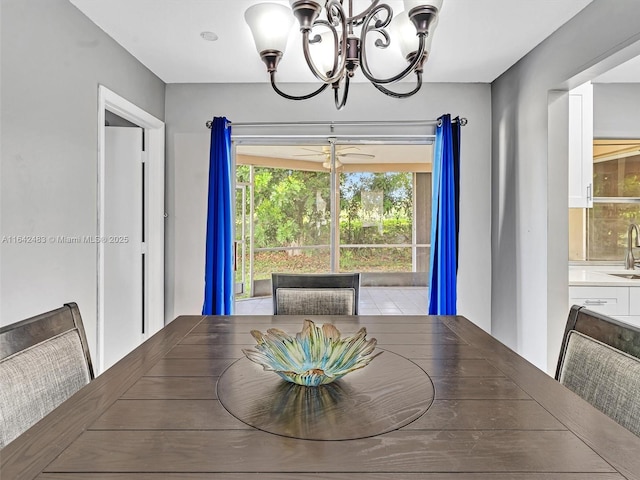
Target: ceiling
[476, 40]
[628, 72]
[351, 158]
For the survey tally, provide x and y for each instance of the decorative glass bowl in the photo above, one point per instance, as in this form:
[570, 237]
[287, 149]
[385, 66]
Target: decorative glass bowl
[315, 356]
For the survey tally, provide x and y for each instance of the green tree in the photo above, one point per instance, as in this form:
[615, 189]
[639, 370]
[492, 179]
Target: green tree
[292, 208]
[287, 207]
[397, 201]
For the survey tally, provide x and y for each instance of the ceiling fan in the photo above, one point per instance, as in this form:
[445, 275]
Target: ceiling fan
[340, 153]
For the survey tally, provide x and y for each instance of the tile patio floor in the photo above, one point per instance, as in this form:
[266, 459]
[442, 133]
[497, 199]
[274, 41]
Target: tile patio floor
[373, 301]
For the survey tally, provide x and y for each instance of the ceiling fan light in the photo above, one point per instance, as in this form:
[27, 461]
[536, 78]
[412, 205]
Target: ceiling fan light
[270, 25]
[327, 164]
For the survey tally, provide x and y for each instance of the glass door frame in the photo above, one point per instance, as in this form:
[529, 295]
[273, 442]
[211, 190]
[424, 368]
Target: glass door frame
[317, 140]
[239, 288]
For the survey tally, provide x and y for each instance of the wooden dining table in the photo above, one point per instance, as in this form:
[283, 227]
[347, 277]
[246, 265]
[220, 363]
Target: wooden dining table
[443, 400]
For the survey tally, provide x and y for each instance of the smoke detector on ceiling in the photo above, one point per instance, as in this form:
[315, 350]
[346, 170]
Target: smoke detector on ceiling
[209, 36]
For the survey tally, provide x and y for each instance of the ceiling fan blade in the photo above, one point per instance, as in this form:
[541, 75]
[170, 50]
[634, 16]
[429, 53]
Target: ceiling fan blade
[352, 155]
[339, 153]
[319, 152]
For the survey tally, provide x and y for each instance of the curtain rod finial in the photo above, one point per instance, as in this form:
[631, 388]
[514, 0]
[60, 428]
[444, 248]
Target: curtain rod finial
[461, 120]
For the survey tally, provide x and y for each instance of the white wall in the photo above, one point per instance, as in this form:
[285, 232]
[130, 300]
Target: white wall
[53, 59]
[188, 107]
[616, 111]
[529, 283]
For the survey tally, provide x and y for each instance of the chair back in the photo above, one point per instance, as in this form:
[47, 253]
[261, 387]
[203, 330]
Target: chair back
[43, 361]
[315, 294]
[600, 361]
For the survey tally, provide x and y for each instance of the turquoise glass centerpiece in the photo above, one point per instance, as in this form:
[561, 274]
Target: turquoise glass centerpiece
[315, 356]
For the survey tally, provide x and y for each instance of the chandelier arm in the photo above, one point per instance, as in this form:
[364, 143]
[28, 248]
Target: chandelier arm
[341, 103]
[294, 97]
[336, 45]
[414, 62]
[379, 25]
[357, 19]
[390, 93]
[338, 69]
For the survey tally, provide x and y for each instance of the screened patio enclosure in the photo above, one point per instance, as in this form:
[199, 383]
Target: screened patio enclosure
[332, 205]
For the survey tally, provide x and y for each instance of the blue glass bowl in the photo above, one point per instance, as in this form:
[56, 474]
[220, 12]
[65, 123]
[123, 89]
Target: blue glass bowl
[315, 356]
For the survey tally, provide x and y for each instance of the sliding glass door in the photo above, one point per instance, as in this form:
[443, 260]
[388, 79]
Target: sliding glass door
[335, 208]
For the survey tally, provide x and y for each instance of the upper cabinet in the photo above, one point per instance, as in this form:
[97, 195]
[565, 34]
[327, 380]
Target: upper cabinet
[581, 146]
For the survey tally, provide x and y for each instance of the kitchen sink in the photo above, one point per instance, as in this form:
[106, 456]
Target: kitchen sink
[630, 276]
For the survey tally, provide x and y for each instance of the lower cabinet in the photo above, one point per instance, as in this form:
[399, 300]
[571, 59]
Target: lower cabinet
[634, 307]
[607, 300]
[622, 303]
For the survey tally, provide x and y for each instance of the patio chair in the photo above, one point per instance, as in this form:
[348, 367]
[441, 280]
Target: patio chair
[315, 294]
[600, 361]
[43, 361]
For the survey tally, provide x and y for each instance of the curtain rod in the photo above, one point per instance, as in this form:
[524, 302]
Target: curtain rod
[463, 122]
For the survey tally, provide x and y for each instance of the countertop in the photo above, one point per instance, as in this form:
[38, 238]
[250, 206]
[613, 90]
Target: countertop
[602, 277]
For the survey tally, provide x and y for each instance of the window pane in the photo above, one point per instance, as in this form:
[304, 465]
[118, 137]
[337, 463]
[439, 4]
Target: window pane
[376, 208]
[292, 221]
[607, 229]
[600, 233]
[617, 178]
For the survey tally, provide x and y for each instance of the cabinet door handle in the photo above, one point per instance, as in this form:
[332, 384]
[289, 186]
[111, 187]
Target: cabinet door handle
[595, 302]
[589, 192]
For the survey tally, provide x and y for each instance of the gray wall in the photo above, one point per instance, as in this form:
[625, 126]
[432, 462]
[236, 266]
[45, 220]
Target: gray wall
[189, 106]
[529, 233]
[616, 110]
[53, 59]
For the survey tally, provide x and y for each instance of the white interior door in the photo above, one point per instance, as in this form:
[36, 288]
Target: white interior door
[124, 320]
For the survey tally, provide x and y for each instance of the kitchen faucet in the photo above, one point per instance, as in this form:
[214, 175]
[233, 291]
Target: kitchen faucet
[629, 261]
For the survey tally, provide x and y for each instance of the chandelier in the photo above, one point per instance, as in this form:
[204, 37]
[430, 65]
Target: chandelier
[332, 49]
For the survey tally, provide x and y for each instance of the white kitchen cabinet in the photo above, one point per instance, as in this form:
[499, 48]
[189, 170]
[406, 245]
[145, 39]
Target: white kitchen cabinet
[612, 301]
[581, 146]
[622, 303]
[634, 307]
[634, 301]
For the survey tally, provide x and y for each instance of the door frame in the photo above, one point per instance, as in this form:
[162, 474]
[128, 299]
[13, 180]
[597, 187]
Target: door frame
[332, 141]
[154, 157]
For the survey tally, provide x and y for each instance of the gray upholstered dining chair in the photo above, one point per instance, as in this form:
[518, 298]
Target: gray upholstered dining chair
[43, 361]
[600, 361]
[315, 294]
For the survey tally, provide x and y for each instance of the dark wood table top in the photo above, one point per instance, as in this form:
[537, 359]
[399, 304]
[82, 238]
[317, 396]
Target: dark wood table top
[156, 415]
